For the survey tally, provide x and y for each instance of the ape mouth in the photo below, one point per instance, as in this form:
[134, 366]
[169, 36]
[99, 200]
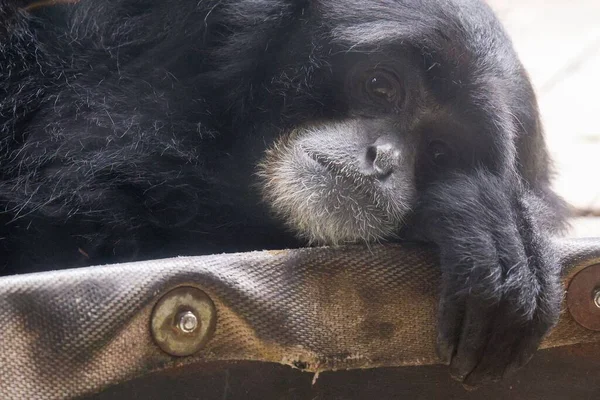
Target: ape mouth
[327, 163]
[345, 177]
[321, 159]
[348, 172]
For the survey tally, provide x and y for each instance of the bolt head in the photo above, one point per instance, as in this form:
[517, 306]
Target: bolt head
[597, 298]
[188, 322]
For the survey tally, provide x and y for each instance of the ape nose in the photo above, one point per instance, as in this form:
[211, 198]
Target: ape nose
[383, 157]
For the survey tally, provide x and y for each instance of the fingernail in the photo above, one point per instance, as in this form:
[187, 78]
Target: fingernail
[445, 352]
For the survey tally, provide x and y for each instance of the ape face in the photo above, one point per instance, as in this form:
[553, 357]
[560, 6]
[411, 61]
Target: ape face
[352, 179]
[380, 125]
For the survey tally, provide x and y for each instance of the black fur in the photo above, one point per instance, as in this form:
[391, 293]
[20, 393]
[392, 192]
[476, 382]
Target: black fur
[131, 129]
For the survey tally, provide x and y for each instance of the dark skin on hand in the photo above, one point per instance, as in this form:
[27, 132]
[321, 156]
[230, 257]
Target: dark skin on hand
[139, 130]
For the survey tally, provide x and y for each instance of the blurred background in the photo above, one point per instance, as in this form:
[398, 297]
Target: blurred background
[559, 43]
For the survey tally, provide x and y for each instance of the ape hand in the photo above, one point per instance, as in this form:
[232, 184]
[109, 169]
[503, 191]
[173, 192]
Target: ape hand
[501, 291]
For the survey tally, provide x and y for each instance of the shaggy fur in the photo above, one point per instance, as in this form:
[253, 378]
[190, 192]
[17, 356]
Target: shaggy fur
[317, 182]
[133, 129]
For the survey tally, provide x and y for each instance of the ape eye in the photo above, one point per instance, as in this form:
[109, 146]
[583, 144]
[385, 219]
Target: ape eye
[382, 86]
[438, 151]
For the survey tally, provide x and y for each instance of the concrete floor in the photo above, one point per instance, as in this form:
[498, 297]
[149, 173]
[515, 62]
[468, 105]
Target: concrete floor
[559, 44]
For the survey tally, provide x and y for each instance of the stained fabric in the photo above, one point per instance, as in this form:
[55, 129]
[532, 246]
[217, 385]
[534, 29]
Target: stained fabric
[69, 333]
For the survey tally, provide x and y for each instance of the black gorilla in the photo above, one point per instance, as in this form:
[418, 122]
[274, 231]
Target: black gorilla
[137, 129]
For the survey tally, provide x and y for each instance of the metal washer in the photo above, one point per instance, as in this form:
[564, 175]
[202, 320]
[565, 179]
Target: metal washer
[166, 323]
[582, 297]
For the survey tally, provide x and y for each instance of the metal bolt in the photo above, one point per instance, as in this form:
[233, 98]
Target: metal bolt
[597, 298]
[188, 322]
[183, 321]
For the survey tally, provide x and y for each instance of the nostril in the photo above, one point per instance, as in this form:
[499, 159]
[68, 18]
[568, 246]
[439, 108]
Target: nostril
[382, 158]
[371, 155]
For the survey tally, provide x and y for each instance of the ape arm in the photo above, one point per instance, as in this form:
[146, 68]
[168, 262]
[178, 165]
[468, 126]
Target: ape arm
[500, 279]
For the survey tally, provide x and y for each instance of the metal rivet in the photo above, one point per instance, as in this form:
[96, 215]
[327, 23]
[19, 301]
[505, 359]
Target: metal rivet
[183, 321]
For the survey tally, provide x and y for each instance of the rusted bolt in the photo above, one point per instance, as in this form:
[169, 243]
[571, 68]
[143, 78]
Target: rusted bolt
[183, 321]
[583, 297]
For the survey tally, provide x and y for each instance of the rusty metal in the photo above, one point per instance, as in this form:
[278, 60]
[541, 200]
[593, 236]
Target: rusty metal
[183, 321]
[583, 297]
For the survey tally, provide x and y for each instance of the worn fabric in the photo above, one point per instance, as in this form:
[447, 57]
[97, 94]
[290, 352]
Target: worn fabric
[74, 332]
